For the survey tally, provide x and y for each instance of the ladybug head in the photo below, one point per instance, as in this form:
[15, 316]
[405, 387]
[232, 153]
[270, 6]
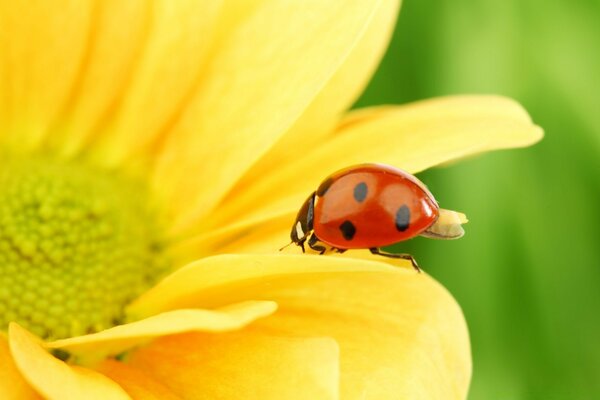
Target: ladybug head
[303, 225]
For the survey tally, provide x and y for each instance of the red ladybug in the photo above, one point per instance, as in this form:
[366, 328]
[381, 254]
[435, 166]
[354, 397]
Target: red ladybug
[370, 206]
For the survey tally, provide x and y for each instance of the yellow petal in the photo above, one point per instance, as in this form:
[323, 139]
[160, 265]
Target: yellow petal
[267, 233]
[401, 335]
[12, 384]
[39, 68]
[167, 71]
[243, 365]
[262, 77]
[212, 274]
[123, 337]
[412, 137]
[137, 384]
[336, 97]
[53, 378]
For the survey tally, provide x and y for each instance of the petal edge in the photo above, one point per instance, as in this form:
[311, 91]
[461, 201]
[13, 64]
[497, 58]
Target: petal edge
[55, 379]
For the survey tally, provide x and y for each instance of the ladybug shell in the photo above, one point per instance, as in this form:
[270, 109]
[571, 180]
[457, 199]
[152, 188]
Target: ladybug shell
[372, 205]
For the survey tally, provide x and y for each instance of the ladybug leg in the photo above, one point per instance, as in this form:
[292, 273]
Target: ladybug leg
[312, 243]
[403, 256]
[338, 250]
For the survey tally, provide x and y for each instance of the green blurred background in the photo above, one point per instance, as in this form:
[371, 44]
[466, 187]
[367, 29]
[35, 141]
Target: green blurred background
[527, 273]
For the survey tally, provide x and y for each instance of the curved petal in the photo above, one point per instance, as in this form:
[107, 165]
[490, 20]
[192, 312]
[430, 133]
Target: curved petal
[342, 90]
[412, 137]
[137, 384]
[399, 332]
[263, 76]
[215, 275]
[38, 67]
[123, 337]
[400, 336]
[12, 384]
[55, 379]
[243, 365]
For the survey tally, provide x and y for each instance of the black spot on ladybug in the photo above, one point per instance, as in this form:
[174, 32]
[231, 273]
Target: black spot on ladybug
[360, 192]
[348, 230]
[324, 187]
[402, 218]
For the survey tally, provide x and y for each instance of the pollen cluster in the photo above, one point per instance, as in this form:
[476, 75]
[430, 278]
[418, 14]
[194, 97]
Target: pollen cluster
[76, 245]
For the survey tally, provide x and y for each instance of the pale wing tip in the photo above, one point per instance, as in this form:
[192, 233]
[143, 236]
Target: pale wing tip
[448, 226]
[450, 217]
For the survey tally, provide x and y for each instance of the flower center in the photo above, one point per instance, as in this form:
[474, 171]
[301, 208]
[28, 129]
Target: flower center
[76, 245]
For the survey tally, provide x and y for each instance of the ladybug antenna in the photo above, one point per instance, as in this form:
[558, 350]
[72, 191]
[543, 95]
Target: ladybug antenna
[285, 246]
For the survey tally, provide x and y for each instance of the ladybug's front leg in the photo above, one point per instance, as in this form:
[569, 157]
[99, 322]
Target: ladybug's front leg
[312, 243]
[404, 256]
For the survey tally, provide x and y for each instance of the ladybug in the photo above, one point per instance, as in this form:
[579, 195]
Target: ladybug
[369, 206]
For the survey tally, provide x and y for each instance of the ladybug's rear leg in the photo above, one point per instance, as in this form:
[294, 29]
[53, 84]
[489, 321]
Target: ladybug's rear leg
[313, 241]
[403, 256]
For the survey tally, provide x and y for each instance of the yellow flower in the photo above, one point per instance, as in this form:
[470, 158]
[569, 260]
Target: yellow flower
[149, 139]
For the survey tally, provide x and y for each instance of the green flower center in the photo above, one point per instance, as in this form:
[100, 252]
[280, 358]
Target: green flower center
[76, 245]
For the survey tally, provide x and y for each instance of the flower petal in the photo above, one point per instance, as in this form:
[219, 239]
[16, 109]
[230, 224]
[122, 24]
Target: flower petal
[55, 379]
[320, 118]
[267, 233]
[413, 137]
[123, 337]
[12, 384]
[137, 384]
[243, 365]
[38, 67]
[264, 75]
[400, 333]
[212, 274]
